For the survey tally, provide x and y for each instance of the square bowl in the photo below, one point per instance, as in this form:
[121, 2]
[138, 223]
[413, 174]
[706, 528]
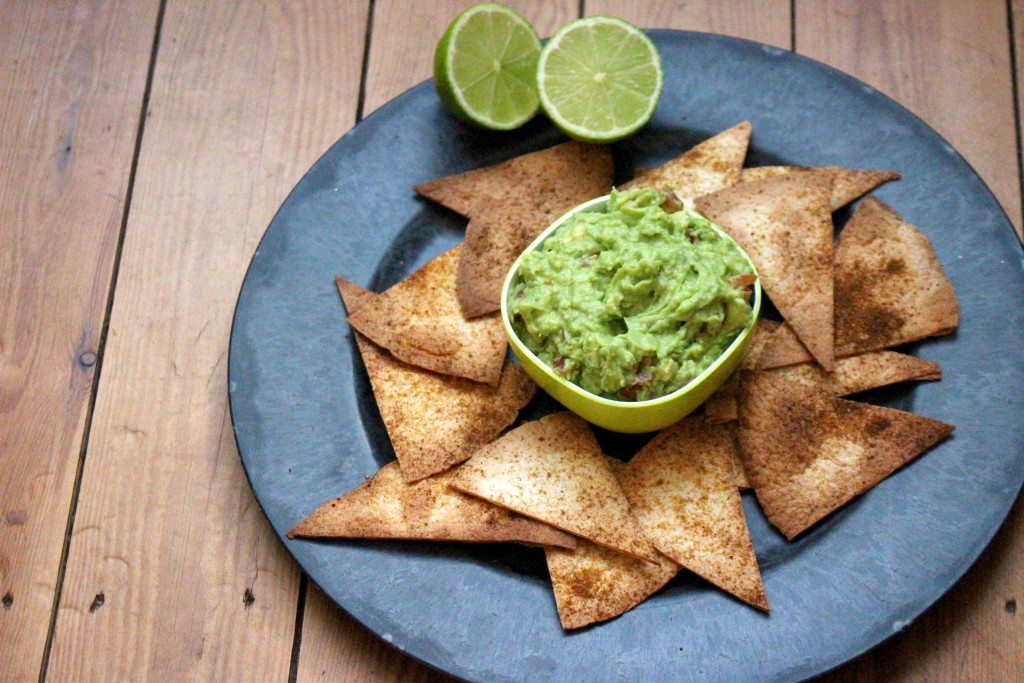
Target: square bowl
[632, 417]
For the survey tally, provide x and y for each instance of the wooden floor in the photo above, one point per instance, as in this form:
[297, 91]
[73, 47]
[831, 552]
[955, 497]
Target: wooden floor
[144, 147]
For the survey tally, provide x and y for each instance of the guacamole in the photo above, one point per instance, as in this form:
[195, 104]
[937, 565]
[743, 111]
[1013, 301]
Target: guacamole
[633, 303]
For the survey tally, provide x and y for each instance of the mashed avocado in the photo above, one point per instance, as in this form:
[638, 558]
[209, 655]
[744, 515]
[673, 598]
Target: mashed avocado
[633, 303]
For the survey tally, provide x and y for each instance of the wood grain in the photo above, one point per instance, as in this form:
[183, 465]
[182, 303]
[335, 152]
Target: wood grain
[72, 80]
[949, 63]
[173, 572]
[1016, 9]
[766, 21]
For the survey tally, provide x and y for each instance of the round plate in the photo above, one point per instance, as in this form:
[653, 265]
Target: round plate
[308, 429]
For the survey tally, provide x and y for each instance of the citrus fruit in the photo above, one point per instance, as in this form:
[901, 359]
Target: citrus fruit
[485, 67]
[599, 79]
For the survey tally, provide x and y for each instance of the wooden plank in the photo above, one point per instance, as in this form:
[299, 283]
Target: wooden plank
[405, 34]
[949, 63]
[766, 21]
[174, 573]
[1017, 29]
[72, 79]
[333, 646]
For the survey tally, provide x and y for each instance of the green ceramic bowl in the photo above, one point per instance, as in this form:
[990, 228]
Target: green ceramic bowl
[625, 416]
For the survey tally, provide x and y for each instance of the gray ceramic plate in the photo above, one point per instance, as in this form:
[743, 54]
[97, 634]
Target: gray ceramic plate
[308, 429]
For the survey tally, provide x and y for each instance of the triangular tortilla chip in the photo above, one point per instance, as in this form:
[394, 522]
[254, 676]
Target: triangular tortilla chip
[756, 173]
[785, 349]
[682, 489]
[536, 189]
[721, 406]
[739, 474]
[435, 421]
[553, 470]
[807, 453]
[860, 373]
[710, 166]
[386, 506]
[462, 192]
[785, 225]
[847, 183]
[890, 289]
[420, 322]
[593, 583]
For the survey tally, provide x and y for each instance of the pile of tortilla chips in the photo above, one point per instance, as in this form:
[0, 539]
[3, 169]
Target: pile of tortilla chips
[616, 532]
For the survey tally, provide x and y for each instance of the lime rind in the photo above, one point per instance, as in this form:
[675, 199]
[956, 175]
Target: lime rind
[481, 42]
[569, 84]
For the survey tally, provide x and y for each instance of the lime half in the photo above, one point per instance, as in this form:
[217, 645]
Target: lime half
[599, 78]
[485, 67]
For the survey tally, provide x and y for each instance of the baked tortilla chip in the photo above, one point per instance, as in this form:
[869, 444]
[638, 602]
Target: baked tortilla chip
[553, 470]
[890, 289]
[682, 489]
[419, 321]
[593, 583]
[463, 191]
[847, 183]
[785, 349]
[807, 453]
[854, 374]
[710, 166]
[721, 406]
[534, 190]
[785, 225]
[387, 506]
[435, 421]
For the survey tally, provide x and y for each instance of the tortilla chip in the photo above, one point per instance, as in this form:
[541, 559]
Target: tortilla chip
[532, 192]
[435, 421]
[593, 583]
[807, 453]
[681, 487]
[710, 166]
[420, 322]
[860, 373]
[785, 349]
[721, 406]
[785, 225]
[890, 289]
[739, 478]
[387, 506]
[756, 173]
[553, 470]
[847, 183]
[462, 192]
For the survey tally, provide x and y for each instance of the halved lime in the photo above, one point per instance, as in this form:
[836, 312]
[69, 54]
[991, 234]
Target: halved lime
[599, 78]
[485, 67]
